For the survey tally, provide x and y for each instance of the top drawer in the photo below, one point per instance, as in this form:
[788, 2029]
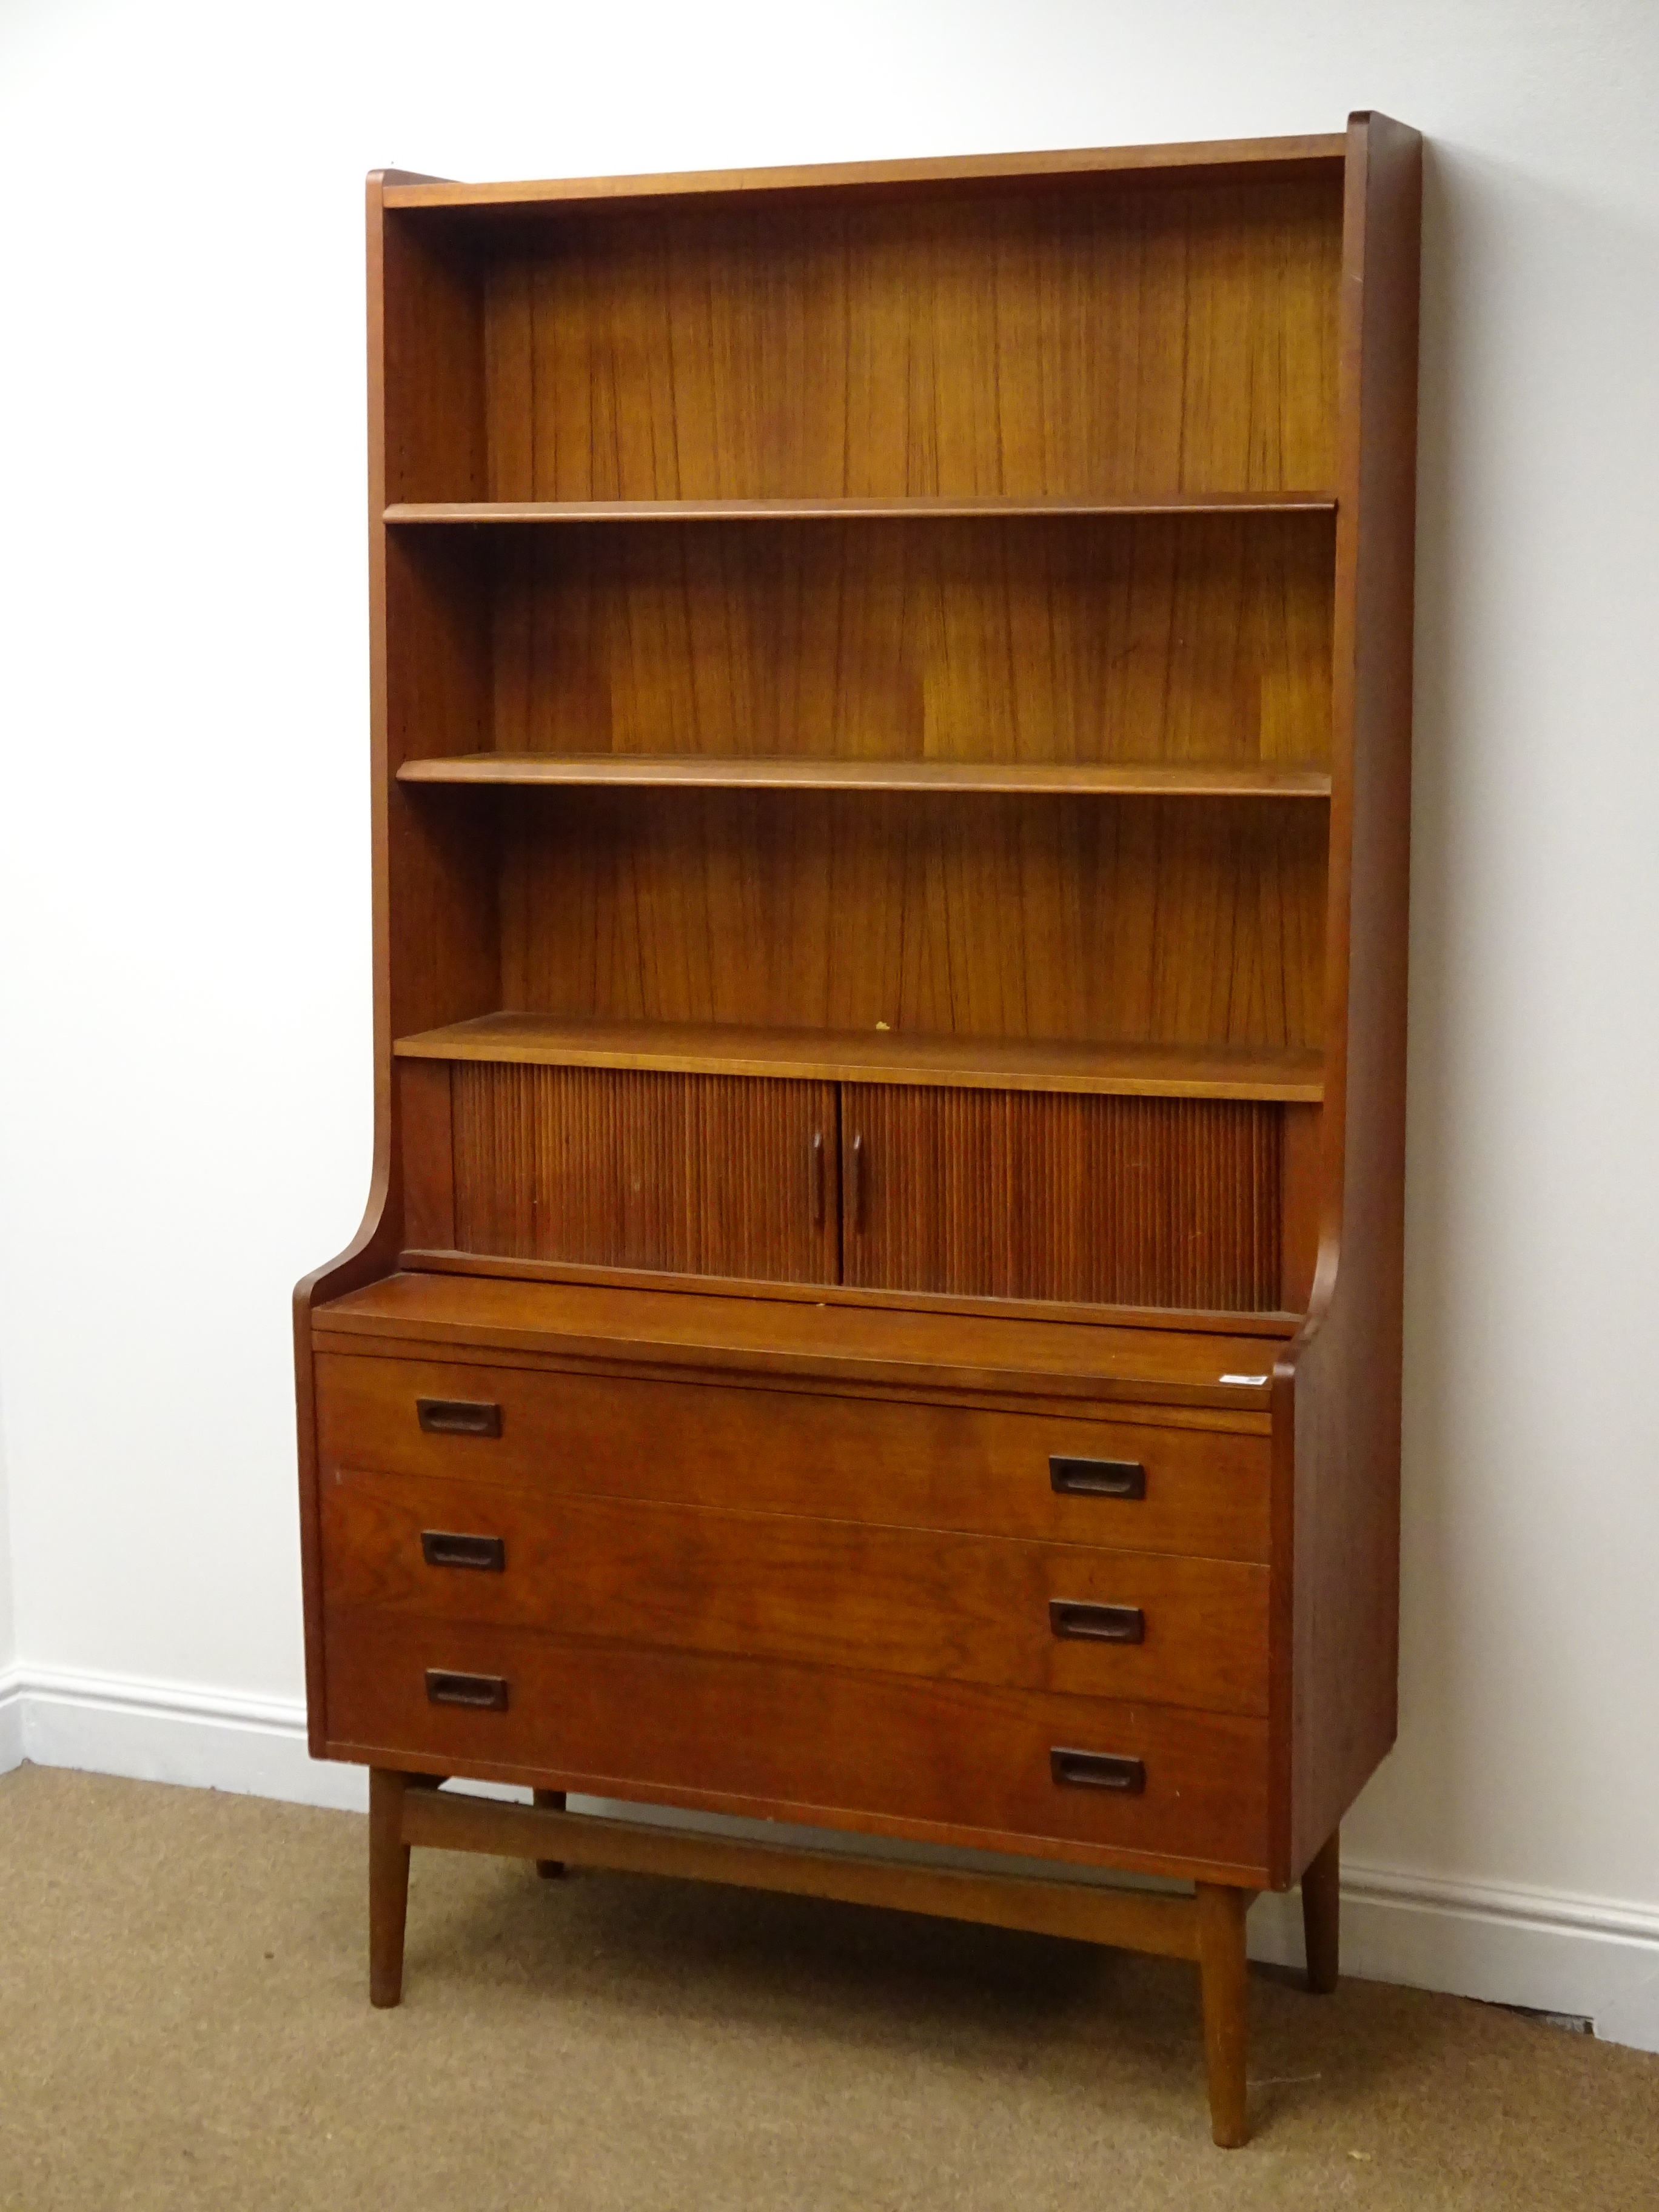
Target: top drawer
[1112, 1483]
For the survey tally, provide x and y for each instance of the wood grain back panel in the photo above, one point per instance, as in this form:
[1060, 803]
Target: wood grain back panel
[1141, 921]
[1182, 639]
[694, 1175]
[1128, 1201]
[1112, 339]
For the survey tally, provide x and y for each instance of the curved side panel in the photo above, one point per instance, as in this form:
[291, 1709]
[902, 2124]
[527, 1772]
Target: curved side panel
[406, 291]
[1336, 1388]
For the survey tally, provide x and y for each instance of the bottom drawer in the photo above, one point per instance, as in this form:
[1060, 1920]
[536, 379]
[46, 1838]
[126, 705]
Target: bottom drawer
[951, 1762]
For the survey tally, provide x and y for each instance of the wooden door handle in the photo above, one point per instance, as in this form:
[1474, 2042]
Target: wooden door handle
[1097, 1623]
[856, 1183]
[483, 1692]
[1098, 1770]
[448, 1548]
[815, 1178]
[459, 1417]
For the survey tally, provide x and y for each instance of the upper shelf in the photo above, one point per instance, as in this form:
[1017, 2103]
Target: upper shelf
[982, 1063]
[852, 510]
[1225, 159]
[750, 772]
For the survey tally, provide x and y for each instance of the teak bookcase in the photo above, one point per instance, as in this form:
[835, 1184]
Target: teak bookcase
[880, 1302]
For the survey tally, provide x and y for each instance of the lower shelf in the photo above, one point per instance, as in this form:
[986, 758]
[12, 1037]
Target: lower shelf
[880, 1056]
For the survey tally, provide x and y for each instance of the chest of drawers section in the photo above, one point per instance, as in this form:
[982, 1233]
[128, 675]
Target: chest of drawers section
[1014, 1629]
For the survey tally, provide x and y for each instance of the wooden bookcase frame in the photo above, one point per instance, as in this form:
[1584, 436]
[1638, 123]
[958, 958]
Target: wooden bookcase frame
[1189, 950]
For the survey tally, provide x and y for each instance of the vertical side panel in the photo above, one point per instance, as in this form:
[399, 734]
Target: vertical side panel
[372, 1251]
[1336, 1402]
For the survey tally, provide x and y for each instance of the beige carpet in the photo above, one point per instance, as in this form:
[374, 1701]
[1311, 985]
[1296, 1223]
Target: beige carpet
[183, 2022]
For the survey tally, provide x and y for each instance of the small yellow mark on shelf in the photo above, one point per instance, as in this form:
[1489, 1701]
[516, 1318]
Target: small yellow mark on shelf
[881, 1025]
[1364, 2156]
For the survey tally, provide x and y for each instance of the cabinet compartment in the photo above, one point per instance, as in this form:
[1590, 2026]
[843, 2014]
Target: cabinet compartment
[617, 1168]
[955, 1761]
[1170, 1202]
[879, 1461]
[1195, 922]
[1027, 638]
[1127, 334]
[781, 1586]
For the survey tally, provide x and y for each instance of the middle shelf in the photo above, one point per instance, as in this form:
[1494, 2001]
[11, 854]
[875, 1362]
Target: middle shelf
[785, 771]
[996, 1063]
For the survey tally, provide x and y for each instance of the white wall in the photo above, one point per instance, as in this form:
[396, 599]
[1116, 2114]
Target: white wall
[184, 1121]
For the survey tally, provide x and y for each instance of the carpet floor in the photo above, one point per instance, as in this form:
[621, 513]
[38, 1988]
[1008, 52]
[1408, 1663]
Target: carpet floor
[184, 2022]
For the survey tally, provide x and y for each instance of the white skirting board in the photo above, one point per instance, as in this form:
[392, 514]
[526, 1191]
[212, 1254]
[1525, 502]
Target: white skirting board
[1552, 1952]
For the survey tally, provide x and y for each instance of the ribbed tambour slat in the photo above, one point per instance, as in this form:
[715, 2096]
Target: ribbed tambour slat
[1116, 1201]
[622, 1168]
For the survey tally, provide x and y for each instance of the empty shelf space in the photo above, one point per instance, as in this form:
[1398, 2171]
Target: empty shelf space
[880, 1056]
[757, 772]
[853, 510]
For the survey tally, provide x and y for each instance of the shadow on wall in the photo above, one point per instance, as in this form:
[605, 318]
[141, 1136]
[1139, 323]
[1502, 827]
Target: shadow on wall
[1538, 308]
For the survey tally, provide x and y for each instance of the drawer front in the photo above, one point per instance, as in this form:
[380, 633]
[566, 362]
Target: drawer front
[1144, 1489]
[950, 1761]
[1086, 1621]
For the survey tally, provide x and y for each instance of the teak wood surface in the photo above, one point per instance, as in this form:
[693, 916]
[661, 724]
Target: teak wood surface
[772, 1446]
[875, 1600]
[890, 708]
[876, 1055]
[752, 772]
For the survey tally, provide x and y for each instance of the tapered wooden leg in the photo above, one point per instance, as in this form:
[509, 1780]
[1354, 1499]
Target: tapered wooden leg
[1221, 1914]
[550, 1801]
[388, 1884]
[1322, 1916]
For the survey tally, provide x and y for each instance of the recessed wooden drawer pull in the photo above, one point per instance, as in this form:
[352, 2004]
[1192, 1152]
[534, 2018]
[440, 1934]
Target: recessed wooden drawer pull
[1097, 1624]
[442, 1548]
[459, 1417]
[485, 1692]
[1097, 1478]
[1098, 1770]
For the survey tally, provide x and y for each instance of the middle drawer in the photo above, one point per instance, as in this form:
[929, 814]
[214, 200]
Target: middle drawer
[995, 1610]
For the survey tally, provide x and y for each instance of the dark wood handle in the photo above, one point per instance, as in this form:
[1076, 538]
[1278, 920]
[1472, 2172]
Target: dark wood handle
[459, 1417]
[1098, 1770]
[856, 1183]
[1096, 1478]
[814, 1171]
[1097, 1623]
[484, 1693]
[445, 1548]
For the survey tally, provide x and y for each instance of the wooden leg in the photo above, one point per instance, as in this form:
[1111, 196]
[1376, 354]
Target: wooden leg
[388, 1884]
[550, 1801]
[1221, 1914]
[1322, 1916]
